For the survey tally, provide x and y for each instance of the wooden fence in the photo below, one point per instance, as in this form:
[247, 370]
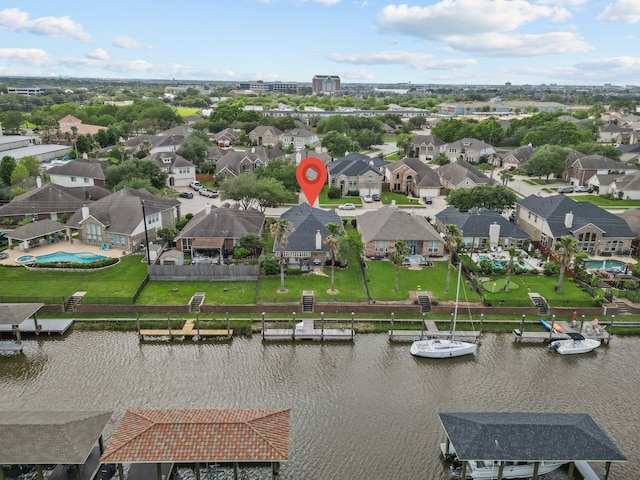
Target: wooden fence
[203, 272]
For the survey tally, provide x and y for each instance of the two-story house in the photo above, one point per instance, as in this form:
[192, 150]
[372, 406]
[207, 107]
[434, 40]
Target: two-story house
[265, 135]
[468, 149]
[355, 173]
[427, 147]
[300, 139]
[79, 173]
[180, 171]
[584, 168]
[234, 162]
[413, 177]
[461, 174]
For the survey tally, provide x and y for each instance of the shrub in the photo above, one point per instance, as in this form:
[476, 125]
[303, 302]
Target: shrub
[270, 264]
[241, 252]
[334, 192]
[294, 271]
[551, 269]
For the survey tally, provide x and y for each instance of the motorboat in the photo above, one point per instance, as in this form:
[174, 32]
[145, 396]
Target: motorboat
[441, 347]
[481, 469]
[577, 343]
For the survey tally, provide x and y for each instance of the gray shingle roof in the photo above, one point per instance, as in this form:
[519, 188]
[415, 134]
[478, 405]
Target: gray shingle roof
[41, 437]
[528, 437]
[36, 229]
[307, 221]
[479, 222]
[457, 172]
[555, 208]
[16, 313]
[353, 165]
[81, 168]
[390, 224]
[52, 198]
[223, 222]
[425, 175]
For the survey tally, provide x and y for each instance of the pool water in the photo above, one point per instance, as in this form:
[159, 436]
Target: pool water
[82, 257]
[609, 265]
[502, 264]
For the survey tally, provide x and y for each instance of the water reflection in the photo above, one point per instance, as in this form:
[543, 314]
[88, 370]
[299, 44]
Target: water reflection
[366, 409]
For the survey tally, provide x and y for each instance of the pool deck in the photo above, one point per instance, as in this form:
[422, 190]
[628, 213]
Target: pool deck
[64, 246]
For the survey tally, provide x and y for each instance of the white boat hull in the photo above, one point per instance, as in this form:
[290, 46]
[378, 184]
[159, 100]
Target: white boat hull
[481, 470]
[442, 348]
[572, 347]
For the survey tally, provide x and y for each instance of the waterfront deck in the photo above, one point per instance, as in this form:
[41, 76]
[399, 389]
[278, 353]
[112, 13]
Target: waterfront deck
[306, 330]
[430, 330]
[188, 330]
[588, 331]
[10, 347]
[48, 326]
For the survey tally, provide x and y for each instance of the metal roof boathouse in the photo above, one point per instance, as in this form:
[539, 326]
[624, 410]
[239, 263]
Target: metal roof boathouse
[571, 438]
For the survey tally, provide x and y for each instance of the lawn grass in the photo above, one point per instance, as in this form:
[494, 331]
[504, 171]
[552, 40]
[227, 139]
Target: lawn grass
[606, 203]
[381, 276]
[180, 292]
[187, 111]
[327, 202]
[109, 285]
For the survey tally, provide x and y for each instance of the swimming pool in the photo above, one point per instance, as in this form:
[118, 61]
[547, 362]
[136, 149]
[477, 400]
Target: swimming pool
[81, 257]
[615, 266]
[502, 264]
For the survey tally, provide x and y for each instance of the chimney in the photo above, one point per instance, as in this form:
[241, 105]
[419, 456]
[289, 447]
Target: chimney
[85, 212]
[568, 220]
[318, 240]
[207, 209]
[38, 182]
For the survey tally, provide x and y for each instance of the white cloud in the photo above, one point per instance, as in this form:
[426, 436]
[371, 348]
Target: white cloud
[123, 41]
[98, 54]
[30, 56]
[499, 45]
[612, 65]
[572, 3]
[621, 11]
[326, 2]
[16, 19]
[394, 57]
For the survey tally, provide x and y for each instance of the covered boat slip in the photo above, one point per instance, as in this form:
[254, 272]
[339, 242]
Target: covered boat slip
[63, 439]
[163, 438]
[12, 318]
[537, 438]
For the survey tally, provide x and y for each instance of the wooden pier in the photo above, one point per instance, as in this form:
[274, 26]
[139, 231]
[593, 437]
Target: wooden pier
[590, 331]
[430, 330]
[305, 330]
[189, 329]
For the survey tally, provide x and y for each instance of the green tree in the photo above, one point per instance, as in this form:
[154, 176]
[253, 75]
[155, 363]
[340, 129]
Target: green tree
[279, 230]
[452, 129]
[547, 160]
[12, 120]
[127, 172]
[397, 254]
[332, 241]
[565, 249]
[514, 256]
[7, 165]
[281, 169]
[492, 197]
[19, 174]
[252, 242]
[453, 240]
[32, 164]
[195, 148]
[167, 234]
[337, 144]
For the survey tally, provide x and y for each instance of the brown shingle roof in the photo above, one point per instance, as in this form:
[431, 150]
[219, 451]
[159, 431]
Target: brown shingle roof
[144, 436]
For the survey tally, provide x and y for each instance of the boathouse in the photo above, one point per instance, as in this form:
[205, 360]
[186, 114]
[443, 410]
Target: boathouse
[72, 441]
[503, 437]
[11, 316]
[165, 438]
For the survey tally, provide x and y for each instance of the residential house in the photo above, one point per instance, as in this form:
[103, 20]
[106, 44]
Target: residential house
[50, 201]
[125, 219]
[613, 134]
[265, 135]
[632, 217]
[355, 173]
[470, 150]
[585, 167]
[305, 245]
[482, 228]
[413, 177]
[300, 139]
[165, 141]
[381, 228]
[215, 231]
[596, 231]
[462, 174]
[79, 173]
[513, 158]
[226, 137]
[426, 147]
[180, 171]
[626, 187]
[630, 153]
[300, 155]
[69, 123]
[236, 162]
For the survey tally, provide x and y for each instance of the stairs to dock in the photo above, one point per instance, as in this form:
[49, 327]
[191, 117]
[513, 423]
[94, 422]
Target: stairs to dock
[196, 302]
[540, 302]
[308, 301]
[621, 307]
[425, 303]
[71, 302]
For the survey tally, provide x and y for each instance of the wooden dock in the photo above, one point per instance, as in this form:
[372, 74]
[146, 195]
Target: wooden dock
[587, 331]
[10, 347]
[306, 330]
[188, 330]
[430, 330]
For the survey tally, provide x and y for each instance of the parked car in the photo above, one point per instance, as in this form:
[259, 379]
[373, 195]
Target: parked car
[512, 216]
[186, 195]
[367, 199]
[428, 200]
[565, 190]
[107, 471]
[583, 188]
[207, 192]
[347, 206]
[376, 197]
[195, 184]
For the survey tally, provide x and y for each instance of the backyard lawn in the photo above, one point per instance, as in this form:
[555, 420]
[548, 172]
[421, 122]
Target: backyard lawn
[110, 285]
[179, 293]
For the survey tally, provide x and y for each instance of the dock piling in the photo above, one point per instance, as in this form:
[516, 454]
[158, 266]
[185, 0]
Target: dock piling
[321, 325]
[262, 325]
[293, 330]
[352, 333]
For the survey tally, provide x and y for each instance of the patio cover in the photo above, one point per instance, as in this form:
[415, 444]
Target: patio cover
[16, 313]
[188, 436]
[36, 230]
[208, 243]
[530, 437]
[45, 437]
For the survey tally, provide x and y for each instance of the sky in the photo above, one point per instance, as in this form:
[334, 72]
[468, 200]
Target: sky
[475, 42]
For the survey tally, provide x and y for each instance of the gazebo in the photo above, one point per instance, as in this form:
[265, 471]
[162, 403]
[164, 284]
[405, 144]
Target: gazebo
[167, 437]
[572, 438]
[28, 236]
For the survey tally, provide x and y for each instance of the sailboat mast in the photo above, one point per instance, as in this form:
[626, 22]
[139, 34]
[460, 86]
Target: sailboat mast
[455, 308]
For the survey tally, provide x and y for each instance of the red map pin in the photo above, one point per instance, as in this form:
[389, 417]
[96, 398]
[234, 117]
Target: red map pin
[311, 174]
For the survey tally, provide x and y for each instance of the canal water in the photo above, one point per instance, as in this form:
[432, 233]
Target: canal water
[361, 410]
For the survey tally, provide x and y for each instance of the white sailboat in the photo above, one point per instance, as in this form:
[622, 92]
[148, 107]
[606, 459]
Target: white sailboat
[441, 347]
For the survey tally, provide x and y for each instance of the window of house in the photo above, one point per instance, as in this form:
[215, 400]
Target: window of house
[117, 241]
[93, 233]
[153, 218]
[73, 179]
[433, 246]
[86, 180]
[380, 246]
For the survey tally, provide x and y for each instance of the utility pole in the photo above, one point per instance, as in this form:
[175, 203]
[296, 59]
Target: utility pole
[146, 234]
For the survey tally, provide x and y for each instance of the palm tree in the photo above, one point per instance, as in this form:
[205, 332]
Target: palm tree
[514, 255]
[279, 230]
[333, 242]
[453, 239]
[396, 255]
[565, 250]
